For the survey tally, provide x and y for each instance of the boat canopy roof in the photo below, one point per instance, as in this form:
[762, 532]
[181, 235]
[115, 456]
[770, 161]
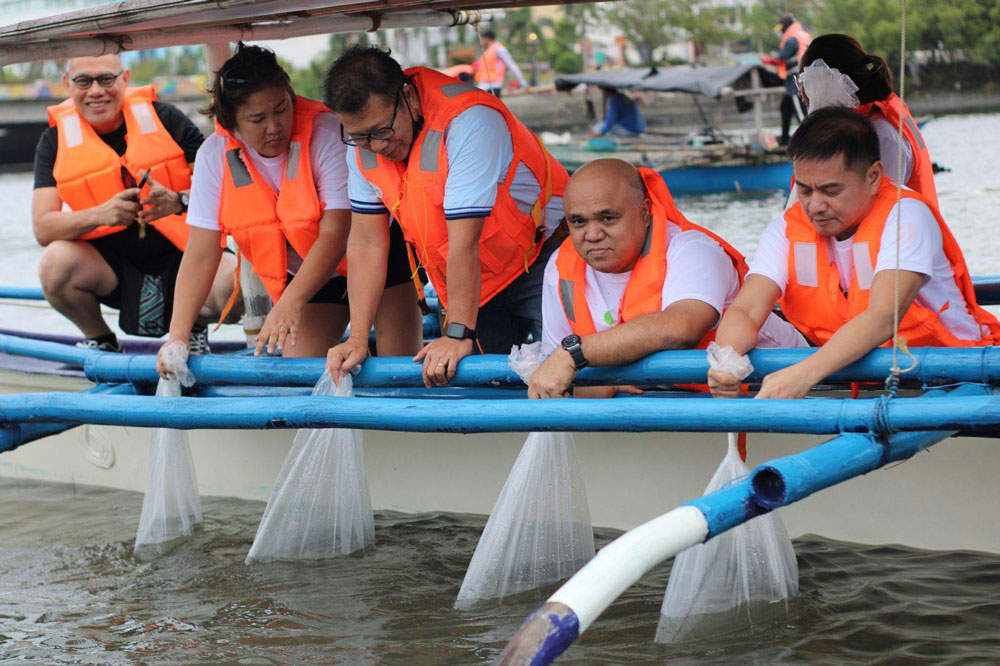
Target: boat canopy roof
[708, 81]
[146, 24]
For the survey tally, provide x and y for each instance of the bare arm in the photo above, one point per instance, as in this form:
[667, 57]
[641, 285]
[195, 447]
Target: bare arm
[852, 341]
[51, 223]
[194, 280]
[367, 261]
[682, 325]
[747, 313]
[441, 357]
[317, 267]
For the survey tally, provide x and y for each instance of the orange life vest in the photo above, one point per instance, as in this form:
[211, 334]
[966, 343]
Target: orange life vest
[88, 172]
[264, 222]
[489, 68]
[803, 38]
[413, 190]
[644, 290]
[814, 303]
[922, 176]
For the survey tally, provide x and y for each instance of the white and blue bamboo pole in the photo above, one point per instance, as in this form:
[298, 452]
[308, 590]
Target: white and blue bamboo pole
[828, 416]
[571, 610]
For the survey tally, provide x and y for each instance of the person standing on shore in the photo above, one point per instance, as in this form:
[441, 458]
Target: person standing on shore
[119, 245]
[794, 42]
[490, 70]
[476, 193]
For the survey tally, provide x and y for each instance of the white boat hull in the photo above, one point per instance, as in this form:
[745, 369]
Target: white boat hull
[943, 499]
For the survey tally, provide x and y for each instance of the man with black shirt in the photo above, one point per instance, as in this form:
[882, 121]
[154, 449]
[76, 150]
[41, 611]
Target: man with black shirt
[121, 162]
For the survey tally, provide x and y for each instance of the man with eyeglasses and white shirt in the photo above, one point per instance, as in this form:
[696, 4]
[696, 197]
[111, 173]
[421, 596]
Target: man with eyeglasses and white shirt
[120, 161]
[476, 194]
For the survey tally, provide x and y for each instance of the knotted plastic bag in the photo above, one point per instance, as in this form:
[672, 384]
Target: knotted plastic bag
[539, 531]
[825, 86]
[741, 577]
[171, 508]
[320, 506]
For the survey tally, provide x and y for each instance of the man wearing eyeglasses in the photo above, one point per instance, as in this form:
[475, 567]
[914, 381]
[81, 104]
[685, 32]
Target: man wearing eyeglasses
[121, 162]
[478, 197]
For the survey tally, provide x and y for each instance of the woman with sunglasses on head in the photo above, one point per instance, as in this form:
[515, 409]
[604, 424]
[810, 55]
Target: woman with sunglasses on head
[836, 71]
[274, 177]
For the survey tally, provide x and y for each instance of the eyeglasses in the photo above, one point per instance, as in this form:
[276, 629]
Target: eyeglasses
[380, 134]
[83, 82]
[232, 81]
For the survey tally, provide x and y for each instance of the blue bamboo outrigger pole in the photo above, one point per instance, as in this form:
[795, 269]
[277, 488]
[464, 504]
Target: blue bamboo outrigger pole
[935, 366]
[549, 631]
[972, 413]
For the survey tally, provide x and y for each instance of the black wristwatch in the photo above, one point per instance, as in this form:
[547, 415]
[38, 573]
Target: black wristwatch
[574, 345]
[459, 332]
[184, 199]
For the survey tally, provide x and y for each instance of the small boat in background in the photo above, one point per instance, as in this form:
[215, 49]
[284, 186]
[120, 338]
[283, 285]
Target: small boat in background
[703, 161]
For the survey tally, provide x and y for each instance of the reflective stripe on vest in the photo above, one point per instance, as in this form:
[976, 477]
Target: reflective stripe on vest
[814, 303]
[413, 190]
[88, 172]
[644, 290]
[264, 223]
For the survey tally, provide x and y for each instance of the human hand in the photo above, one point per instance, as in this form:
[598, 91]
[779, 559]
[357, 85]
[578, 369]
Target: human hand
[441, 359]
[345, 356]
[122, 209]
[791, 382]
[160, 203]
[554, 377]
[280, 326]
[723, 384]
[171, 362]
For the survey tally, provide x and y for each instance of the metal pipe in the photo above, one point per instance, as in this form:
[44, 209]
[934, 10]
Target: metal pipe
[579, 602]
[823, 416]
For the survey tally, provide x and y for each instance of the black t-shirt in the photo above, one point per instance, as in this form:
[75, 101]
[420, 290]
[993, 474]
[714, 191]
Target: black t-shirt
[179, 126]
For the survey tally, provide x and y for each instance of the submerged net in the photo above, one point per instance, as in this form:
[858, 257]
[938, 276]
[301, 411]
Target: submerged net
[742, 577]
[171, 508]
[320, 506]
[539, 531]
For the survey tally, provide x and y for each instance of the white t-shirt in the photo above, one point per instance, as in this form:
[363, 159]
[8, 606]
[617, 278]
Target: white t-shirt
[921, 250]
[697, 269]
[329, 173]
[480, 150]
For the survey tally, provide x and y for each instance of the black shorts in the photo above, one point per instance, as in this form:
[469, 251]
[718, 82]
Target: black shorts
[146, 270]
[397, 272]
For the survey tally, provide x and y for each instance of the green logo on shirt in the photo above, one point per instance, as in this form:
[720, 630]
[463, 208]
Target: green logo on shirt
[609, 318]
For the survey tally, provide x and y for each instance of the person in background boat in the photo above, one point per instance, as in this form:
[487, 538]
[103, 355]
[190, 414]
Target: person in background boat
[794, 42]
[622, 116]
[116, 245]
[273, 177]
[633, 278]
[831, 261]
[490, 70]
[836, 71]
[476, 193]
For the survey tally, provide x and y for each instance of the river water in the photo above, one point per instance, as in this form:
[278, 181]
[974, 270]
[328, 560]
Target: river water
[71, 592]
